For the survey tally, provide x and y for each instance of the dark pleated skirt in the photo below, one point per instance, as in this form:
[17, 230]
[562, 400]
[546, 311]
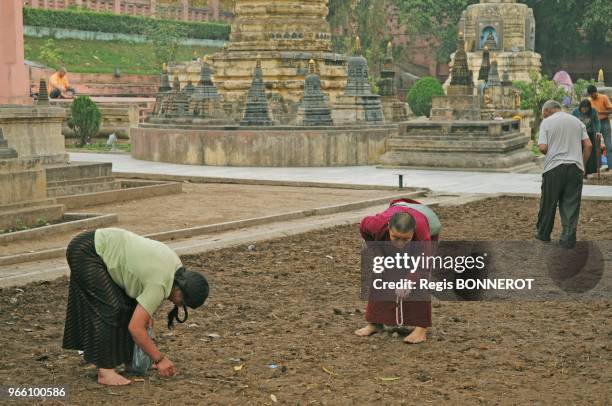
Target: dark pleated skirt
[98, 311]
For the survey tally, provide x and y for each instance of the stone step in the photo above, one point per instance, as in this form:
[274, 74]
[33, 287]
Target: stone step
[30, 216]
[78, 170]
[70, 182]
[80, 189]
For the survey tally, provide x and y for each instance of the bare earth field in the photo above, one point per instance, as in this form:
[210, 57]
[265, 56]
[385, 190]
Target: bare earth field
[202, 204]
[293, 303]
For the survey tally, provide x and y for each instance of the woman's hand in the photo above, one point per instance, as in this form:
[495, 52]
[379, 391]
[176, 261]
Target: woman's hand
[165, 367]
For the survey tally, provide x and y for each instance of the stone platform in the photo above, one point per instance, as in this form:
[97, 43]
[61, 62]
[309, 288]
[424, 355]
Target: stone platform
[34, 132]
[260, 146]
[485, 145]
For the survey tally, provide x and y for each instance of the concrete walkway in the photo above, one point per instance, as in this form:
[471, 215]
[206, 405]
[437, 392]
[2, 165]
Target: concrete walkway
[437, 181]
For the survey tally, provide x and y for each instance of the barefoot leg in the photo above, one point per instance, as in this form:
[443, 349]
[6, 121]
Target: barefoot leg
[418, 335]
[368, 330]
[112, 378]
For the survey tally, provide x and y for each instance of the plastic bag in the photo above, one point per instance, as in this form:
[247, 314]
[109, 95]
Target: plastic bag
[141, 362]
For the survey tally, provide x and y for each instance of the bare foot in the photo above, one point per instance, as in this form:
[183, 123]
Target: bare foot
[368, 330]
[112, 378]
[418, 335]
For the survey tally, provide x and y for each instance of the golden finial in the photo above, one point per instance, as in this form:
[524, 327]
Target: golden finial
[389, 46]
[358, 44]
[164, 68]
[311, 66]
[486, 48]
[460, 34]
[600, 76]
[493, 57]
[258, 65]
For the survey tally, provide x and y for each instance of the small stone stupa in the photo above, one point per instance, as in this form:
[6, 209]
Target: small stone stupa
[485, 66]
[461, 77]
[493, 78]
[164, 82]
[358, 103]
[393, 109]
[499, 98]
[189, 89]
[460, 103]
[205, 101]
[43, 94]
[163, 91]
[314, 108]
[5, 151]
[175, 103]
[256, 108]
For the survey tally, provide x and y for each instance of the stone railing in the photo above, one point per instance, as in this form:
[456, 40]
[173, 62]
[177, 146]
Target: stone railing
[180, 10]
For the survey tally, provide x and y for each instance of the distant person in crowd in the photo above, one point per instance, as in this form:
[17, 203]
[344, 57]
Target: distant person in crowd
[404, 221]
[117, 281]
[601, 103]
[59, 87]
[589, 117]
[565, 142]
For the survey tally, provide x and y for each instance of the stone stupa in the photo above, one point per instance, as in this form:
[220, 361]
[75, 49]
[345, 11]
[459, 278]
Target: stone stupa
[286, 34]
[460, 103]
[256, 107]
[393, 109]
[506, 27]
[314, 108]
[358, 103]
[205, 100]
[485, 66]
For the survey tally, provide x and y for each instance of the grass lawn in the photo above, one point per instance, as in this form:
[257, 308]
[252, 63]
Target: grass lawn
[102, 56]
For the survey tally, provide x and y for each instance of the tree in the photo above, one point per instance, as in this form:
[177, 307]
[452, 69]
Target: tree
[85, 118]
[535, 93]
[366, 19]
[165, 40]
[420, 95]
[434, 19]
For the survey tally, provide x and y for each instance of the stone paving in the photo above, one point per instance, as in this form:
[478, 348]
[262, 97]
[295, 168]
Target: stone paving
[437, 180]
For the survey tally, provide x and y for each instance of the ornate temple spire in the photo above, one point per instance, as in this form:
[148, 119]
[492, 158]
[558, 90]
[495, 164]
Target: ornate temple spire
[493, 79]
[485, 66]
[461, 75]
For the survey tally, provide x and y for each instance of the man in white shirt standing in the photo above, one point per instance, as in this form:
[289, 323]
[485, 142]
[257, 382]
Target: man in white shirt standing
[565, 142]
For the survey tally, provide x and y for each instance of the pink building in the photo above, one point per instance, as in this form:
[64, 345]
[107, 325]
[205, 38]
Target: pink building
[175, 10]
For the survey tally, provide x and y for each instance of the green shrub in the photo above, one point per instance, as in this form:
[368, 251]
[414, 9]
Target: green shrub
[85, 118]
[86, 20]
[420, 95]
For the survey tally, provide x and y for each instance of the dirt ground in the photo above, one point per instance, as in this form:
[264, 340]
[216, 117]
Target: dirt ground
[277, 329]
[202, 204]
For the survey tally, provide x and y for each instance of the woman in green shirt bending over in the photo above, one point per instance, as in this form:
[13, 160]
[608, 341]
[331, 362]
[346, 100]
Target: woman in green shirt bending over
[117, 281]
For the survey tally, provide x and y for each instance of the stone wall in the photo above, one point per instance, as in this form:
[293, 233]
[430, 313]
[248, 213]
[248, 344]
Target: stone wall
[264, 146]
[21, 180]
